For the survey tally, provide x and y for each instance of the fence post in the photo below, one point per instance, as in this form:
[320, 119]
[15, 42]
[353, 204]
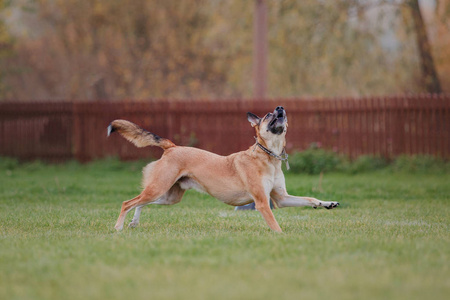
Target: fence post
[78, 138]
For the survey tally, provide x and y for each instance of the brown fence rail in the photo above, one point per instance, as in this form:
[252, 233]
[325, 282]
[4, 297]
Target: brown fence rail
[381, 126]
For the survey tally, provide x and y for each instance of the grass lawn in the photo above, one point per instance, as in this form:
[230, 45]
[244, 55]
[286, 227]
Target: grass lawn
[389, 239]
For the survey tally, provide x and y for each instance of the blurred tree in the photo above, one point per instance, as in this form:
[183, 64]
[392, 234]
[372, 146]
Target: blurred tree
[118, 50]
[138, 49]
[332, 48]
[6, 49]
[352, 47]
[440, 39]
[429, 75]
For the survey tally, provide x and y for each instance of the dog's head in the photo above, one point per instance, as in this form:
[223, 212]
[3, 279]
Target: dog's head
[271, 128]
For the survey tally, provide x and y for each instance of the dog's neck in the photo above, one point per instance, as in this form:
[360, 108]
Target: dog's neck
[275, 146]
[281, 157]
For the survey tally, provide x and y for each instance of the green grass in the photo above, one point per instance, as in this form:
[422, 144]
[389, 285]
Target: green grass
[389, 239]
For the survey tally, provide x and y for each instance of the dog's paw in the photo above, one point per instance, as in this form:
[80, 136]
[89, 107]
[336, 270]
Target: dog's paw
[133, 224]
[330, 205]
[327, 205]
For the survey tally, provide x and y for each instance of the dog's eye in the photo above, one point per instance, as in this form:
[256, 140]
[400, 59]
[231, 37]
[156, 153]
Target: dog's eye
[268, 115]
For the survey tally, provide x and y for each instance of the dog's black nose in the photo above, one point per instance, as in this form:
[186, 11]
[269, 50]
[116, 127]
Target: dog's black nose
[279, 108]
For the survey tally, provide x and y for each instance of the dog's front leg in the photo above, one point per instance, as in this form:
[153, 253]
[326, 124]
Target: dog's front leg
[285, 200]
[262, 205]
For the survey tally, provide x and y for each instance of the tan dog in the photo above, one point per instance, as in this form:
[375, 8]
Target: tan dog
[237, 179]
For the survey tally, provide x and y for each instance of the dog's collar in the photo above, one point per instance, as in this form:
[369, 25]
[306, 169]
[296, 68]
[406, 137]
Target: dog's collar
[283, 156]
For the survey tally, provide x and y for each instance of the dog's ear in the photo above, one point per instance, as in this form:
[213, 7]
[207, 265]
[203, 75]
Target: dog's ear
[253, 119]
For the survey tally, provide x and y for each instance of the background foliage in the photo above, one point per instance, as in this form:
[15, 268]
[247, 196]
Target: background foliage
[316, 161]
[116, 50]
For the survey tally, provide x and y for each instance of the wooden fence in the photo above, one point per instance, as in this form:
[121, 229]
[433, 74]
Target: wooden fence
[381, 126]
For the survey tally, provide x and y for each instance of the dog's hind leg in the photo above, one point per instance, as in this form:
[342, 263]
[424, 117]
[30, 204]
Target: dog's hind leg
[137, 214]
[173, 196]
[150, 194]
[159, 181]
[146, 197]
[126, 207]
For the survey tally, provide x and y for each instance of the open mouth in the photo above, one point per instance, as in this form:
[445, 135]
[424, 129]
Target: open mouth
[272, 123]
[278, 115]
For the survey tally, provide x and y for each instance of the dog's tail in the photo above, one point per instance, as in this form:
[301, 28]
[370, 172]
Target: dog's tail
[138, 136]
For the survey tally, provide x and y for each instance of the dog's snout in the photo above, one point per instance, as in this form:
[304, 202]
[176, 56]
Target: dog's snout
[279, 111]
